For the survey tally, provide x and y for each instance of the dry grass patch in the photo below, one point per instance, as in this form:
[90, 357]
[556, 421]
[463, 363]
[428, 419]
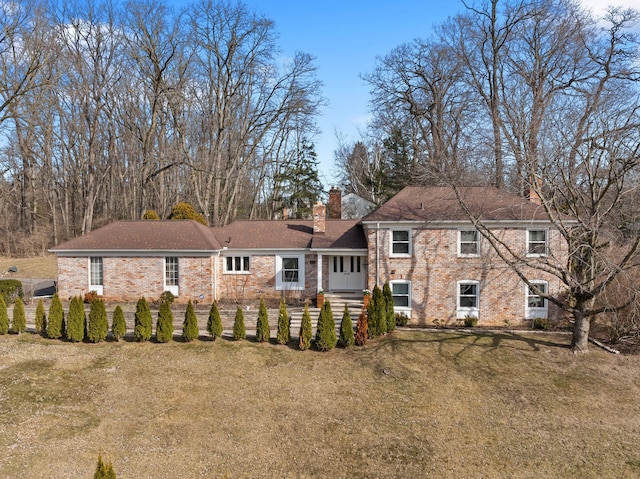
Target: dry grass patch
[31, 267]
[416, 404]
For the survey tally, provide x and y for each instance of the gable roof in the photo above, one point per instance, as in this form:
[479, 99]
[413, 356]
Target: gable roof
[290, 234]
[440, 204]
[173, 235]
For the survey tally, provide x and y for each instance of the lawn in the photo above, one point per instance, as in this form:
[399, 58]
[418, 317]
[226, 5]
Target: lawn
[40, 267]
[415, 404]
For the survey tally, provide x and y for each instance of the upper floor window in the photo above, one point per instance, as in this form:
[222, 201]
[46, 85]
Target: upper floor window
[96, 276]
[400, 242]
[171, 279]
[469, 243]
[237, 264]
[537, 242]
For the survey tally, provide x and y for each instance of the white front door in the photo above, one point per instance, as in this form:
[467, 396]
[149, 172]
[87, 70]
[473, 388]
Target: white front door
[346, 273]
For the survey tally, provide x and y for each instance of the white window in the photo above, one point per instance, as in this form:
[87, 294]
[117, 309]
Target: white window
[468, 299]
[290, 272]
[468, 243]
[537, 305]
[401, 291]
[171, 278]
[400, 242]
[237, 264]
[96, 276]
[537, 243]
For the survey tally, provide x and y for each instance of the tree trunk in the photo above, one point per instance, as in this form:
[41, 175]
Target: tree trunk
[580, 339]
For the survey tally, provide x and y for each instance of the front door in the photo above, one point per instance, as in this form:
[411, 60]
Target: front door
[346, 273]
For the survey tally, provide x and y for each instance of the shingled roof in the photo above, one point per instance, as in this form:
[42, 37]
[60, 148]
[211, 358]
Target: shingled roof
[440, 204]
[175, 235]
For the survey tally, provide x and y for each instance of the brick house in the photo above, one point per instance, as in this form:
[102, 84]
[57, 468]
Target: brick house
[422, 242]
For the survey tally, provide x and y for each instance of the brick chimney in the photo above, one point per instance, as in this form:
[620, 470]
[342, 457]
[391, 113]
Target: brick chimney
[335, 203]
[532, 191]
[319, 218]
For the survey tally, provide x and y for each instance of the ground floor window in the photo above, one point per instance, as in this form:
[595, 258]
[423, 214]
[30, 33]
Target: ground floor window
[468, 299]
[537, 306]
[96, 275]
[237, 264]
[171, 277]
[401, 291]
[290, 272]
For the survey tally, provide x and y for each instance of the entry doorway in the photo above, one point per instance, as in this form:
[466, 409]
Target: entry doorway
[347, 273]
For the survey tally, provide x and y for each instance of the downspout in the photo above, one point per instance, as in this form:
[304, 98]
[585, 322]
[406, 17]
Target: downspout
[215, 276]
[377, 253]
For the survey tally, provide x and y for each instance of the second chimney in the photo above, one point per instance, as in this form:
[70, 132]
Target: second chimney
[335, 203]
[319, 218]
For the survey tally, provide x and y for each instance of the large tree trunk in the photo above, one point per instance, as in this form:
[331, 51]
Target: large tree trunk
[580, 339]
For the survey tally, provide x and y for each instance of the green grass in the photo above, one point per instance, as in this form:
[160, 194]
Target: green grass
[417, 404]
[31, 267]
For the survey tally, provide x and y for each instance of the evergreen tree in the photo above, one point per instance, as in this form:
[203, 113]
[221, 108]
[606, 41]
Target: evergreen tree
[118, 324]
[40, 318]
[98, 324]
[76, 320]
[19, 323]
[306, 329]
[238, 326]
[143, 321]
[263, 331]
[164, 326]
[362, 329]
[55, 325]
[346, 329]
[4, 317]
[326, 330]
[214, 323]
[376, 314]
[284, 331]
[190, 330]
[389, 310]
[104, 471]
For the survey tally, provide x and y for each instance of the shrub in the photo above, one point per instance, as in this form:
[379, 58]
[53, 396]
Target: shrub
[306, 330]
[76, 320]
[239, 331]
[55, 325]
[541, 323]
[190, 330]
[362, 329]
[19, 323]
[151, 215]
[142, 327]
[401, 319]
[10, 289]
[376, 314]
[40, 318]
[346, 329]
[388, 303]
[263, 331]
[214, 323]
[98, 323]
[118, 324]
[4, 317]
[326, 330]
[470, 321]
[104, 471]
[168, 297]
[284, 330]
[90, 296]
[184, 211]
[164, 326]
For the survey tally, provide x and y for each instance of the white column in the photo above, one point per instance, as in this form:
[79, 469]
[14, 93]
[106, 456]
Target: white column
[319, 271]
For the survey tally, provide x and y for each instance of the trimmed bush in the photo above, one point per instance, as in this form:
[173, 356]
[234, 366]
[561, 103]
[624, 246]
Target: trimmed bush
[40, 318]
[4, 317]
[19, 323]
[190, 330]
[76, 320]
[284, 330]
[55, 325]
[104, 471]
[239, 331]
[168, 297]
[376, 314]
[118, 324]
[541, 323]
[388, 304]
[10, 289]
[143, 321]
[306, 330]
[263, 331]
[401, 319]
[470, 321]
[164, 326]
[214, 323]
[98, 326]
[326, 330]
[362, 329]
[346, 329]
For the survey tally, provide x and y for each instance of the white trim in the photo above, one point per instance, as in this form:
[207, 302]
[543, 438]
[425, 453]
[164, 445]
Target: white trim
[532, 312]
[463, 311]
[477, 241]
[409, 232]
[402, 309]
[236, 271]
[173, 289]
[98, 288]
[281, 285]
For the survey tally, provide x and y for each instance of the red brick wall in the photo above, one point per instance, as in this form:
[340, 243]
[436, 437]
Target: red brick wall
[434, 270]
